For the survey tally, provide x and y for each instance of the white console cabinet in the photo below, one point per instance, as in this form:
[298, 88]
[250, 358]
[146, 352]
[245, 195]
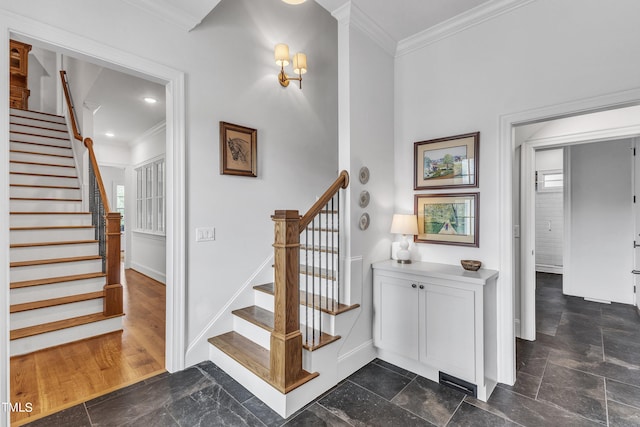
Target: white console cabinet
[431, 318]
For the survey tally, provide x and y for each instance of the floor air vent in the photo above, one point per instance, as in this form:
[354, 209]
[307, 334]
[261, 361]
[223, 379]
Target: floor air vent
[458, 384]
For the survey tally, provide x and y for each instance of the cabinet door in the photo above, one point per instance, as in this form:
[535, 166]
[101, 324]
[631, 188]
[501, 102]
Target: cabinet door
[396, 316]
[449, 331]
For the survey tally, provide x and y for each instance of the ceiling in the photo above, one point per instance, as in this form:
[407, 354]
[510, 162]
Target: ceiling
[118, 97]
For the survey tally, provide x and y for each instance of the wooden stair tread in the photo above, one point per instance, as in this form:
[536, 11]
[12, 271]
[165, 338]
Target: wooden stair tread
[17, 308]
[58, 325]
[318, 249]
[41, 144]
[36, 119]
[43, 199]
[264, 319]
[253, 357]
[68, 242]
[51, 227]
[52, 280]
[38, 127]
[54, 261]
[333, 307]
[322, 273]
[19, 110]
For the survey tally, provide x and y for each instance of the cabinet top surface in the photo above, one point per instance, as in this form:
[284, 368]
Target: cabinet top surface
[441, 271]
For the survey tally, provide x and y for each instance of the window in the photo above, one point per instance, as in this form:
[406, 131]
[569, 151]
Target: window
[549, 180]
[150, 197]
[120, 204]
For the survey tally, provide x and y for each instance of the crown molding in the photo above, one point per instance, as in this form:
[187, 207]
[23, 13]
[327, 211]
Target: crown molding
[177, 15]
[350, 14]
[461, 22]
[154, 130]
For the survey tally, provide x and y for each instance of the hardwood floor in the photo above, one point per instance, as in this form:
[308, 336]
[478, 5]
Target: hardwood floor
[57, 378]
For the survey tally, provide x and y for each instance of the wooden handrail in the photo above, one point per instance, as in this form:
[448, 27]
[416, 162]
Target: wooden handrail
[341, 182]
[70, 107]
[88, 142]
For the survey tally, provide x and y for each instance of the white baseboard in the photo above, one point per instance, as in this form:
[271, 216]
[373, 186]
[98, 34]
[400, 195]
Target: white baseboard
[553, 269]
[355, 359]
[154, 274]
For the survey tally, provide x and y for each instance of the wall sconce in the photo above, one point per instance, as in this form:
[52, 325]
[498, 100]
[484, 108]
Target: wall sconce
[282, 59]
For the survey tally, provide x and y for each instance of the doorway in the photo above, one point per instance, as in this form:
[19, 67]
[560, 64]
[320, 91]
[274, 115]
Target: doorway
[173, 81]
[597, 183]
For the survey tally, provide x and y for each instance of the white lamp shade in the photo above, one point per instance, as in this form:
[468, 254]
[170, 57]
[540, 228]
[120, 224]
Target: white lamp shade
[282, 54]
[299, 63]
[404, 224]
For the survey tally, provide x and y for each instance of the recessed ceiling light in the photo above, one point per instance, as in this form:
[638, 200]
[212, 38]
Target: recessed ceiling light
[110, 134]
[294, 1]
[150, 100]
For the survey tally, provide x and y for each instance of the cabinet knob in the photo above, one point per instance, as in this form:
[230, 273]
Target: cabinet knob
[413, 285]
[421, 286]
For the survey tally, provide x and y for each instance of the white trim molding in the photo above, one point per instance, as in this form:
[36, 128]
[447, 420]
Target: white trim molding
[506, 147]
[458, 23]
[152, 131]
[176, 14]
[349, 14]
[81, 47]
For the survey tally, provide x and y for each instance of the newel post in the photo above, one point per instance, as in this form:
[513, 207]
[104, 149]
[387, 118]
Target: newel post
[113, 288]
[286, 338]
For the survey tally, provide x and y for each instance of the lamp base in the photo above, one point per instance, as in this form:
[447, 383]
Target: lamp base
[404, 261]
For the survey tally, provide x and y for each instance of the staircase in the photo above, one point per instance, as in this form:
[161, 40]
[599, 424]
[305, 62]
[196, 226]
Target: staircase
[284, 347]
[56, 271]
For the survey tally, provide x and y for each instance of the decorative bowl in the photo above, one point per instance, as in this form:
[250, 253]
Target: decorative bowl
[470, 264]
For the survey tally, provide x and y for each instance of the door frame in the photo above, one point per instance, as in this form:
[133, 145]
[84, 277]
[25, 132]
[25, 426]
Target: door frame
[174, 82]
[527, 213]
[506, 155]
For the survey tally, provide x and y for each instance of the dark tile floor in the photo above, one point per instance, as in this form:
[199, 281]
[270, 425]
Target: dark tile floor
[583, 369]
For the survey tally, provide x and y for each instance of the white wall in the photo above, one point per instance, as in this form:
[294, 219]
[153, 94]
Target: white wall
[601, 222]
[230, 76]
[547, 52]
[549, 216]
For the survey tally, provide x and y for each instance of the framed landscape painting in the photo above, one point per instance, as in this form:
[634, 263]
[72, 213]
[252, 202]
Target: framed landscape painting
[447, 162]
[448, 219]
[238, 150]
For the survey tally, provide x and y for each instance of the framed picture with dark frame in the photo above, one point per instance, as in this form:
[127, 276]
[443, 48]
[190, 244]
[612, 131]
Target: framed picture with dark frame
[448, 219]
[238, 150]
[450, 162]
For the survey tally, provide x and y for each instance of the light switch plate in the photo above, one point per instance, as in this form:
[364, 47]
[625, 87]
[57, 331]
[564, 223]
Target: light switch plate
[205, 234]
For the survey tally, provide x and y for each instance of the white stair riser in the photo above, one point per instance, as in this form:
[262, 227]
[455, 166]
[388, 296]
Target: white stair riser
[33, 253]
[41, 169]
[42, 149]
[63, 336]
[320, 238]
[41, 129]
[255, 333]
[320, 287]
[71, 181]
[39, 316]
[35, 220]
[41, 158]
[51, 235]
[323, 259]
[37, 115]
[36, 272]
[56, 290]
[44, 206]
[46, 123]
[45, 193]
[14, 136]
